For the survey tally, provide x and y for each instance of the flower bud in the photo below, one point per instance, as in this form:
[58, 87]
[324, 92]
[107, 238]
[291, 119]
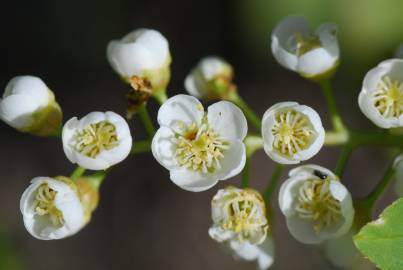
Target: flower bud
[291, 132]
[142, 53]
[28, 105]
[198, 147]
[238, 215]
[317, 207]
[211, 79]
[52, 209]
[313, 55]
[381, 96]
[97, 141]
[89, 195]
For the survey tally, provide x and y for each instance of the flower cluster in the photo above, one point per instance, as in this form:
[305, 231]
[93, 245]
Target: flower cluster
[201, 147]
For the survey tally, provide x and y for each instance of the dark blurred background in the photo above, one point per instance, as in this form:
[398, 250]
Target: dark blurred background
[143, 220]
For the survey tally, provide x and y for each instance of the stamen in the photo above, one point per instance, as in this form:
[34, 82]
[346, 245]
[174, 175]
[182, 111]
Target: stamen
[388, 97]
[95, 138]
[292, 133]
[44, 204]
[200, 148]
[315, 202]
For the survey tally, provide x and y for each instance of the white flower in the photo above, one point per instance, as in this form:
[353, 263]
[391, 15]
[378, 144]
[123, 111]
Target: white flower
[143, 53]
[29, 106]
[240, 224]
[52, 209]
[313, 55]
[200, 148]
[399, 52]
[210, 79]
[239, 215]
[381, 96]
[292, 132]
[97, 141]
[316, 205]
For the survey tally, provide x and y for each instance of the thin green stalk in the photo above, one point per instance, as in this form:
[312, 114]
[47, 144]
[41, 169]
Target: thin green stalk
[380, 188]
[246, 174]
[141, 147]
[343, 158]
[331, 103]
[249, 113]
[77, 173]
[253, 143]
[146, 119]
[271, 187]
[160, 96]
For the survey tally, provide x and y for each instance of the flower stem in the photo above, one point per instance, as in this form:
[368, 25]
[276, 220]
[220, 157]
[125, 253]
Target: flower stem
[271, 187]
[145, 117]
[77, 173]
[249, 113]
[342, 162]
[253, 143]
[331, 103]
[161, 96]
[141, 147]
[373, 197]
[246, 173]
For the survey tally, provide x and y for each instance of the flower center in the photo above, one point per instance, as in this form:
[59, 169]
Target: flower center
[300, 44]
[292, 133]
[315, 202]
[200, 148]
[44, 204]
[245, 215]
[95, 138]
[388, 97]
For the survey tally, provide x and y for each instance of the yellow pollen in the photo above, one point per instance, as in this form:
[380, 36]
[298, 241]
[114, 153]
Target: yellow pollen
[95, 138]
[200, 148]
[292, 133]
[44, 204]
[315, 202]
[388, 97]
[246, 215]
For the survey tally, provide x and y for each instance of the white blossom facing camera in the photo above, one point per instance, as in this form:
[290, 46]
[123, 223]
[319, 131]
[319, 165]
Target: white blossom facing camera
[312, 55]
[28, 105]
[292, 132]
[141, 53]
[316, 205]
[200, 148]
[240, 224]
[97, 141]
[210, 79]
[238, 215]
[381, 96]
[52, 209]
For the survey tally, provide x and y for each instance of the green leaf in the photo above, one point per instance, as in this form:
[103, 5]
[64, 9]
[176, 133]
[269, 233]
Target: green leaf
[382, 240]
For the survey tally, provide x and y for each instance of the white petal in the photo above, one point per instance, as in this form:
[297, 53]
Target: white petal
[227, 120]
[233, 161]
[316, 61]
[195, 84]
[68, 133]
[212, 66]
[16, 110]
[281, 37]
[309, 169]
[163, 148]
[327, 34]
[30, 86]
[192, 180]
[302, 230]
[287, 193]
[219, 234]
[340, 193]
[180, 110]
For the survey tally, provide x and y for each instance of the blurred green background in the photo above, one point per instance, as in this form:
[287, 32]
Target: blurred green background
[144, 221]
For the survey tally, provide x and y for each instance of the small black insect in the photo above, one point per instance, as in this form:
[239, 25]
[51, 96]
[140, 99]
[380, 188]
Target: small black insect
[320, 174]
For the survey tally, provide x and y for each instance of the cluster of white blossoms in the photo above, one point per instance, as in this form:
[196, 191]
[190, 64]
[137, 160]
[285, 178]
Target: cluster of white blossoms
[201, 147]
[240, 223]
